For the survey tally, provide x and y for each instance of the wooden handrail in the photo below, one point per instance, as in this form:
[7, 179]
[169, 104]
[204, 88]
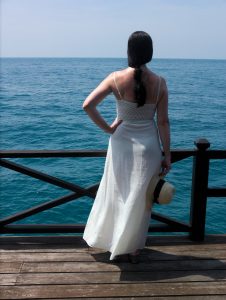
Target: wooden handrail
[177, 155]
[200, 191]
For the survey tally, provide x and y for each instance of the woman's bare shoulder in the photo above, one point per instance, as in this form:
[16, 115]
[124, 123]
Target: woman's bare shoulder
[123, 75]
[122, 72]
[158, 77]
[117, 73]
[154, 75]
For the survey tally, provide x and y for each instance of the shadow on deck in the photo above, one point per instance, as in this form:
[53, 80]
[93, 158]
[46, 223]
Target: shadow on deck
[64, 267]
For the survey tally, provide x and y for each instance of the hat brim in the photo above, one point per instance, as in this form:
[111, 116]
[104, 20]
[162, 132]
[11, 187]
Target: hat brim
[165, 192]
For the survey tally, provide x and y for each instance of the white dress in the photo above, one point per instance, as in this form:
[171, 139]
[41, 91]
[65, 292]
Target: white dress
[118, 221]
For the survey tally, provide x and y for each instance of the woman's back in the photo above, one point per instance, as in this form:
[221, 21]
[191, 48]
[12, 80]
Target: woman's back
[125, 84]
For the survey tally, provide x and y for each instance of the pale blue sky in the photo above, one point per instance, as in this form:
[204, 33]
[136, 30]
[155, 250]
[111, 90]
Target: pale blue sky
[100, 28]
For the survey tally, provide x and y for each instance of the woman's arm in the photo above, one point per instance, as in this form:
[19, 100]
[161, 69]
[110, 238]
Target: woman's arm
[94, 98]
[164, 127]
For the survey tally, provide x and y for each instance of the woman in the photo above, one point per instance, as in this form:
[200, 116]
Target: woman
[119, 221]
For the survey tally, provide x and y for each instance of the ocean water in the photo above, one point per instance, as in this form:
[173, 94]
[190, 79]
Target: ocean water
[41, 108]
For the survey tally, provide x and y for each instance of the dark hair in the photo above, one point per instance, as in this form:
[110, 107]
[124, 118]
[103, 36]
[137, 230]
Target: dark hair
[139, 51]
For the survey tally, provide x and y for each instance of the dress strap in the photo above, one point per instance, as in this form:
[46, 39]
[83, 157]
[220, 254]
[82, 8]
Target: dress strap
[117, 86]
[158, 90]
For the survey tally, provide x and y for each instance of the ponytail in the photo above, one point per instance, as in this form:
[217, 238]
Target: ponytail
[139, 89]
[139, 51]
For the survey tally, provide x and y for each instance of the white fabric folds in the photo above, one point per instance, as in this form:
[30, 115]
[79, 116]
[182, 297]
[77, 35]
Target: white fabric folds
[118, 221]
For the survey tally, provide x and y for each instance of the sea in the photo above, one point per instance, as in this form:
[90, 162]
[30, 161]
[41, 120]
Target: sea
[41, 108]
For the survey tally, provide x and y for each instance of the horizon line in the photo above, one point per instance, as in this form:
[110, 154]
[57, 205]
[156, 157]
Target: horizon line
[110, 57]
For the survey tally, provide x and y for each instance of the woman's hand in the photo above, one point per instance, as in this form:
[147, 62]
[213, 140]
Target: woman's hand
[165, 166]
[114, 125]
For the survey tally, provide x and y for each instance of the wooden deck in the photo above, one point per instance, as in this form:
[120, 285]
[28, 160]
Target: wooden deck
[66, 268]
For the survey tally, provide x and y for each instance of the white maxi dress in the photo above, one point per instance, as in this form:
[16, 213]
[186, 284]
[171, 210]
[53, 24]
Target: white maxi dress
[118, 221]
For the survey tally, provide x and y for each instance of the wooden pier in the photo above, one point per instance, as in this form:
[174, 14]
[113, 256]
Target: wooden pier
[60, 267]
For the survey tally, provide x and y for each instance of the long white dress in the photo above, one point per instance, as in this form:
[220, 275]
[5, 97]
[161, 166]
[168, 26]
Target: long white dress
[118, 221]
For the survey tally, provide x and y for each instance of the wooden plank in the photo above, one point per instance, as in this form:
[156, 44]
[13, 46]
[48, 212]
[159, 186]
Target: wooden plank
[8, 279]
[147, 255]
[18, 248]
[183, 239]
[39, 256]
[113, 290]
[42, 248]
[190, 248]
[45, 240]
[175, 254]
[119, 277]
[10, 267]
[143, 266]
[206, 297]
[78, 240]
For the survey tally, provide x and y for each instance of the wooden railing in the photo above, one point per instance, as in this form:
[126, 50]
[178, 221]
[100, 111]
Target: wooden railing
[199, 194]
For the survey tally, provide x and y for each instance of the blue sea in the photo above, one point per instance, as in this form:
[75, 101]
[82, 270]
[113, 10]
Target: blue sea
[41, 108]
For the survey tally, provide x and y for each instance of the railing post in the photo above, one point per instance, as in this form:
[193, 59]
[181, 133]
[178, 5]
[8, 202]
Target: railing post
[199, 190]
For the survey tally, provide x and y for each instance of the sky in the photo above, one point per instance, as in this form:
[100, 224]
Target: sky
[100, 28]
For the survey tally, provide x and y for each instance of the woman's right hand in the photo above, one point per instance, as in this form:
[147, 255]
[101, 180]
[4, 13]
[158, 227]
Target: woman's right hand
[114, 125]
[165, 166]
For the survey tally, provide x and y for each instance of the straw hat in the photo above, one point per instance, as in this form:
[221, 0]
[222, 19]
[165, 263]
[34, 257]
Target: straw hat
[159, 191]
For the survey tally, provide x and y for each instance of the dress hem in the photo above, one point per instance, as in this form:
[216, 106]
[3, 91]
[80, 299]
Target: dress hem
[109, 250]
